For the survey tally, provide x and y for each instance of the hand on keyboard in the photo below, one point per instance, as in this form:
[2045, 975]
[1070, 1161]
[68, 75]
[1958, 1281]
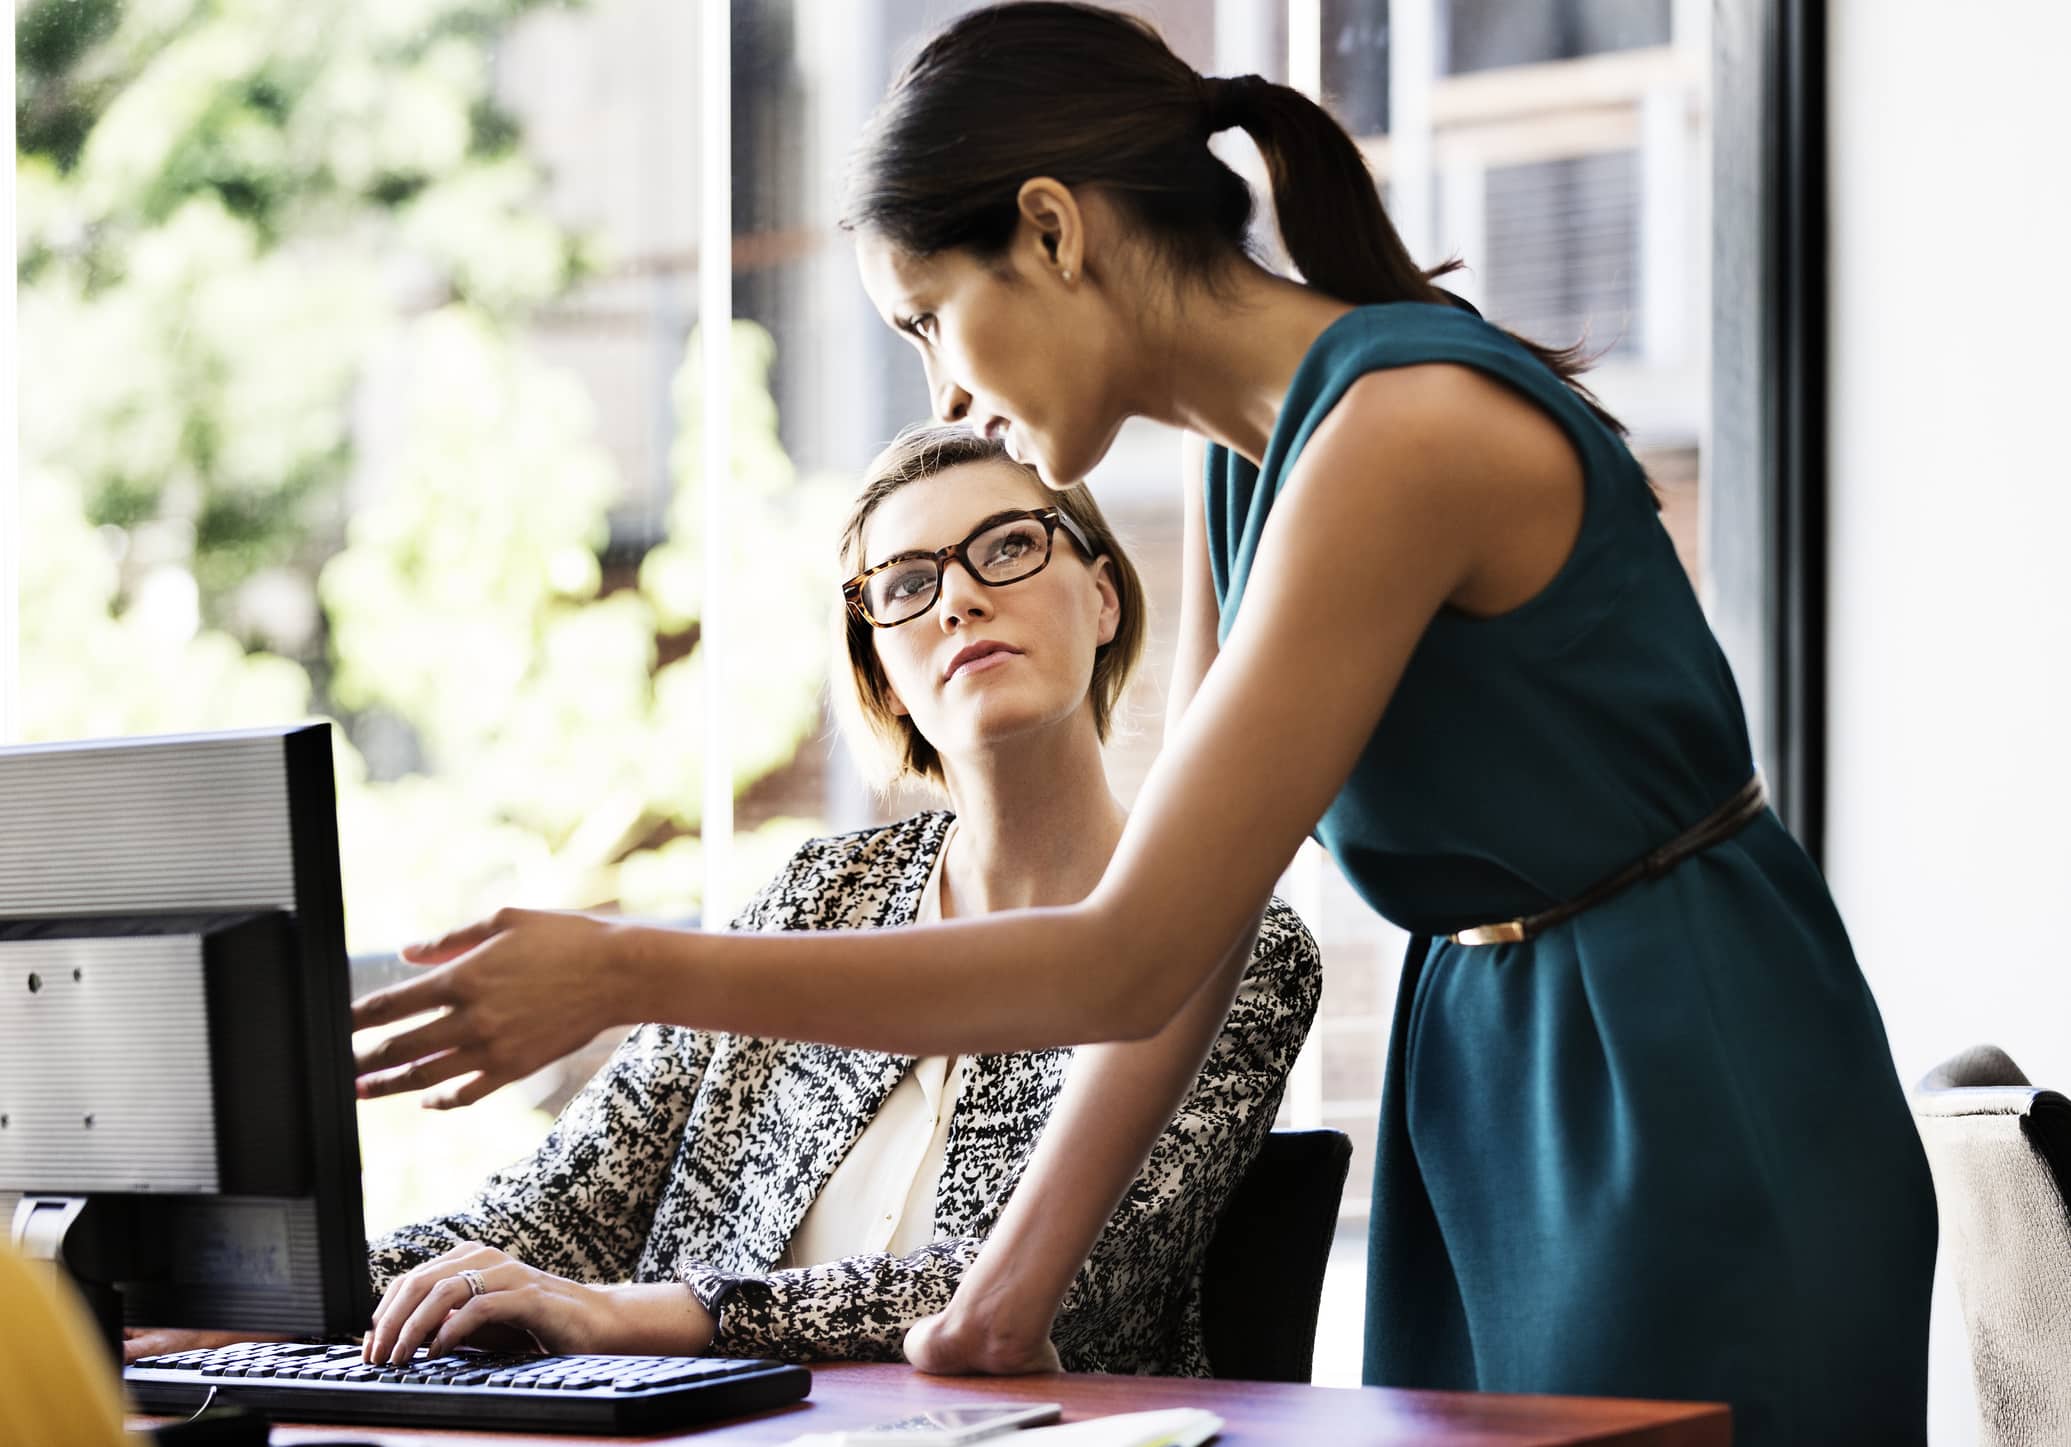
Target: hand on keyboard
[476, 1295]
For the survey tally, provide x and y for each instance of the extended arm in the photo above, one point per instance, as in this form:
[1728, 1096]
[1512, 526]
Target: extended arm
[1424, 486]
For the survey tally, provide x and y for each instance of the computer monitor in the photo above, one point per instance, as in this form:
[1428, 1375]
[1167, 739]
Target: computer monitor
[176, 1105]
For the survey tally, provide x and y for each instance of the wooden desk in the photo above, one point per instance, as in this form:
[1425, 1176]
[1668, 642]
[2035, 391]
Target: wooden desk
[855, 1394]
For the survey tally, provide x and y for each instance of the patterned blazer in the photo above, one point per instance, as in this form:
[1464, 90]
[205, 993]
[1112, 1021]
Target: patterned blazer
[693, 1156]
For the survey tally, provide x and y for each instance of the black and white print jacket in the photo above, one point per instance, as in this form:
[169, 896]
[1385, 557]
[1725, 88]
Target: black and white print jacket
[693, 1156]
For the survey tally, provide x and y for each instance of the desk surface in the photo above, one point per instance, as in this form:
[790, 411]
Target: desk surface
[854, 1394]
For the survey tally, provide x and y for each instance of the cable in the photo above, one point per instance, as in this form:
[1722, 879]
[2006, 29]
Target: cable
[205, 1401]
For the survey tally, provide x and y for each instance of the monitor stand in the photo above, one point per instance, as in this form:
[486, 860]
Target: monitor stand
[85, 1236]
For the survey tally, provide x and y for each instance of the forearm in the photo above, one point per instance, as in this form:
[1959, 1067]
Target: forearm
[1115, 1103]
[657, 1318]
[1028, 980]
[1142, 1265]
[856, 1309]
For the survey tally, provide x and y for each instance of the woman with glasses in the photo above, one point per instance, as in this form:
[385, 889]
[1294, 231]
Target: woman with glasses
[1640, 1131]
[753, 1197]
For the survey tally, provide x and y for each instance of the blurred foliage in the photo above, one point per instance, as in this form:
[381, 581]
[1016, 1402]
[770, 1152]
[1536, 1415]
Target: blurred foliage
[235, 199]
[269, 250]
[568, 764]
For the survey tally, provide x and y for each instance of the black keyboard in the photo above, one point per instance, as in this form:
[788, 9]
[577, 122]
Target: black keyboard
[311, 1382]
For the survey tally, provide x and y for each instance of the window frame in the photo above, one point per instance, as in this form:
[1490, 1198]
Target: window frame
[1765, 497]
[11, 511]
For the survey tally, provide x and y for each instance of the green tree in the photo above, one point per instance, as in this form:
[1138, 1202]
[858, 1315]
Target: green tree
[221, 205]
[570, 765]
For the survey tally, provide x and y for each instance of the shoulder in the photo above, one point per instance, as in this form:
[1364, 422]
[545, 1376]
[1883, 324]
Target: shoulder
[1279, 996]
[899, 847]
[1415, 369]
[1450, 438]
[1368, 397]
[1396, 334]
[1451, 414]
[1284, 941]
[840, 881]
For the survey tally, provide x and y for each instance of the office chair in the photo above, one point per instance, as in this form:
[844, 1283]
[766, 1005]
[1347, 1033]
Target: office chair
[1262, 1280]
[2000, 1151]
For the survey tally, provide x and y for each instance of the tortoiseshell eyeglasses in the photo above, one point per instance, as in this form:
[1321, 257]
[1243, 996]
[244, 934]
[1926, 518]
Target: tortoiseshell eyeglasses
[1005, 548]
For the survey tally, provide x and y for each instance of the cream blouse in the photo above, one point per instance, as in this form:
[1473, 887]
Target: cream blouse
[881, 1198]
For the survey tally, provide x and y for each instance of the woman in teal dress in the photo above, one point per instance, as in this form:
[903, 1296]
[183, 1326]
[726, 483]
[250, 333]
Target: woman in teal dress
[1658, 1147]
[1640, 1133]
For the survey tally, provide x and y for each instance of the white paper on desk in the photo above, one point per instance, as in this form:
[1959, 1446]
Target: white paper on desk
[1173, 1427]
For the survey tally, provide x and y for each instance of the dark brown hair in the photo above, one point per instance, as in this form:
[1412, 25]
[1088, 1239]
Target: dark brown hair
[1090, 97]
[863, 695]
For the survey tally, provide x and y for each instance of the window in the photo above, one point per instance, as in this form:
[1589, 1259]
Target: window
[1562, 249]
[1491, 34]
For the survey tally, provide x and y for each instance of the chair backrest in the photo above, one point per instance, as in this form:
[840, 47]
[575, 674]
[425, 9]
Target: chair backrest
[1262, 1280]
[2001, 1155]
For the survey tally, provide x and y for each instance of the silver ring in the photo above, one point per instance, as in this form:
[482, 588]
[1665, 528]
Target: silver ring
[473, 1279]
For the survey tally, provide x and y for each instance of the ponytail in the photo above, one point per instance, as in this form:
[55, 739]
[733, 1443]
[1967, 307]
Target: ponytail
[1091, 97]
[1331, 220]
[1324, 199]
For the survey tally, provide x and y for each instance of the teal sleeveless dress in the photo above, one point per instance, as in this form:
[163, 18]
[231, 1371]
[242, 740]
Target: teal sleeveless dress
[1659, 1150]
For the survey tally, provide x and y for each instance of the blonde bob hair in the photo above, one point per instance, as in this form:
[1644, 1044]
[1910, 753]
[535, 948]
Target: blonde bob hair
[893, 750]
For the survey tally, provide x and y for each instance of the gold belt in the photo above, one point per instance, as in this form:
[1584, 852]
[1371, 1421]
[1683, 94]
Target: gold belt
[1722, 823]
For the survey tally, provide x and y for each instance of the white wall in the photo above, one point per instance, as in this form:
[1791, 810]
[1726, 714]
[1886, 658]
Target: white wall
[1949, 763]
